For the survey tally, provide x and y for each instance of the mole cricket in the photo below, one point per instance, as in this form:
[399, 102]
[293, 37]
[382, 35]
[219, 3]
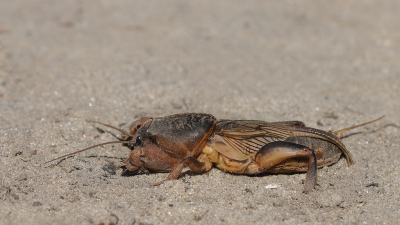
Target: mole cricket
[200, 141]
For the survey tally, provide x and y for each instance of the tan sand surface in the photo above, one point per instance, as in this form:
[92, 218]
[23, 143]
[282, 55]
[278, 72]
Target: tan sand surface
[330, 64]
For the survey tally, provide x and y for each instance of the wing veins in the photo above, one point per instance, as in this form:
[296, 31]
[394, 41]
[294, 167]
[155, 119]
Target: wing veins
[251, 135]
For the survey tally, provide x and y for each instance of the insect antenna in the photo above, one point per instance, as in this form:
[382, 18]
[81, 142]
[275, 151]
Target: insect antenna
[94, 146]
[98, 145]
[120, 130]
[338, 133]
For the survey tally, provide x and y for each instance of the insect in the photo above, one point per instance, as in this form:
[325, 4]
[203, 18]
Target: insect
[200, 141]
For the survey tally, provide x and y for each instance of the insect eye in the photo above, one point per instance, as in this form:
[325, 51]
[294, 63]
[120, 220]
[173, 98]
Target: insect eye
[138, 140]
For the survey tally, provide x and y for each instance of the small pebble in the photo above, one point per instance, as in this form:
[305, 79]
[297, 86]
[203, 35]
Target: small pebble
[37, 204]
[271, 186]
[109, 169]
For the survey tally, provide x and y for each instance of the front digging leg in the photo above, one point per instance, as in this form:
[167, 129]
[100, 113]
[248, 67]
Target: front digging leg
[200, 165]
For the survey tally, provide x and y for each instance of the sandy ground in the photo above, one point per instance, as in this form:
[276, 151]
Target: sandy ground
[330, 64]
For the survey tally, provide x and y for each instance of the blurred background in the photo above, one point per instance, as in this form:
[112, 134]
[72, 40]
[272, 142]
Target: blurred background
[330, 64]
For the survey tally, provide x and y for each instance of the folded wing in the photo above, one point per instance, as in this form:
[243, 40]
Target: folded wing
[247, 137]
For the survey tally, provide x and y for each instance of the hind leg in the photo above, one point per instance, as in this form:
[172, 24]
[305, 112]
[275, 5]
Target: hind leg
[277, 152]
